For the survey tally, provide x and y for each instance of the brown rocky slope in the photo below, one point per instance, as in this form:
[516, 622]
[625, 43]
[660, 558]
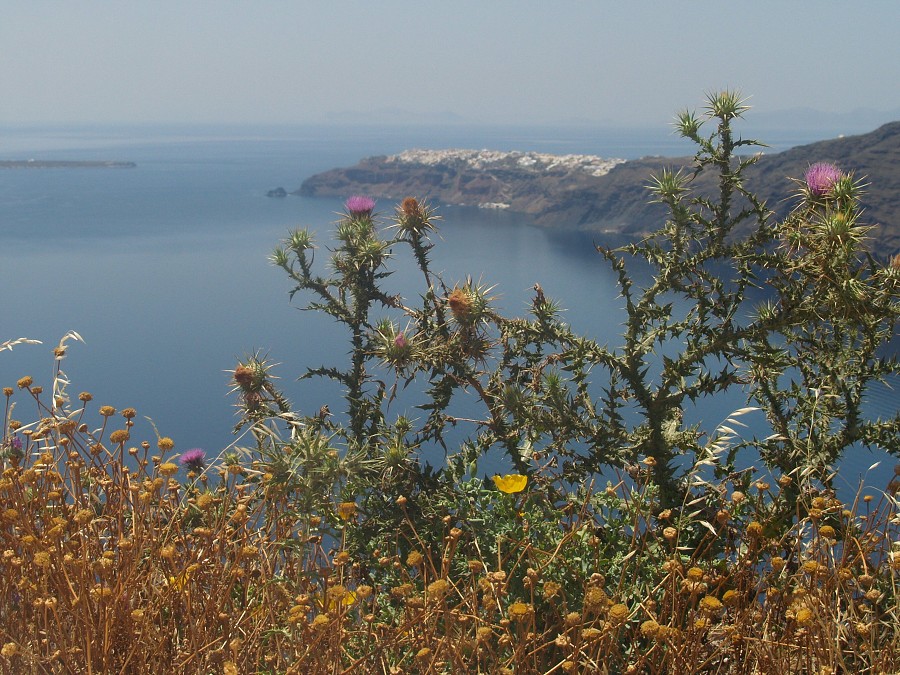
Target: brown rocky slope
[591, 193]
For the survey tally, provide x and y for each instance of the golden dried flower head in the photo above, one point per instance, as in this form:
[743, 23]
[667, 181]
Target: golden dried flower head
[438, 589]
[338, 596]
[24, 382]
[7, 391]
[670, 534]
[551, 589]
[711, 605]
[650, 628]
[9, 649]
[737, 497]
[346, 510]
[618, 614]
[414, 559]
[730, 598]
[129, 413]
[119, 436]
[85, 397]
[595, 599]
[165, 443]
[803, 616]
[827, 531]
[811, 567]
[107, 410]
[695, 574]
[168, 469]
[778, 563]
[754, 529]
[573, 619]
[319, 622]
[423, 654]
[520, 611]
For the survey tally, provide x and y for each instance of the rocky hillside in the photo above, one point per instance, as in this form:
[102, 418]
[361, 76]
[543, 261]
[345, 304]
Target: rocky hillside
[592, 193]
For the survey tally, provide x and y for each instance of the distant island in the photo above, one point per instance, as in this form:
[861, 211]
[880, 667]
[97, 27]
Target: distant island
[63, 164]
[610, 195]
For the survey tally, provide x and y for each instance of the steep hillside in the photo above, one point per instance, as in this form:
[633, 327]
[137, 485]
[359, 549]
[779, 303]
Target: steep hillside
[592, 193]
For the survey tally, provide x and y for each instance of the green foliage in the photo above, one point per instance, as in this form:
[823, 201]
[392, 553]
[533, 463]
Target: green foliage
[806, 357]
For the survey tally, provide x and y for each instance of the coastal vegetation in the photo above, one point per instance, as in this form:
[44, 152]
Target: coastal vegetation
[621, 538]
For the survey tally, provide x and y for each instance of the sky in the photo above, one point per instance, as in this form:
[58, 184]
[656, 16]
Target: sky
[621, 63]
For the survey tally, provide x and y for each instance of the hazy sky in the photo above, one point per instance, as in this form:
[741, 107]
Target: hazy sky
[523, 61]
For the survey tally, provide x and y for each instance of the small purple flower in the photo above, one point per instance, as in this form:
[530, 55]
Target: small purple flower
[821, 177]
[193, 459]
[400, 342]
[359, 206]
[16, 443]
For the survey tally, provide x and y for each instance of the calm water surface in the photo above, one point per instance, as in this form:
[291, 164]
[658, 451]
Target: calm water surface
[162, 269]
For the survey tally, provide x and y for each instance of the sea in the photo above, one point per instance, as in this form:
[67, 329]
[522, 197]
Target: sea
[162, 269]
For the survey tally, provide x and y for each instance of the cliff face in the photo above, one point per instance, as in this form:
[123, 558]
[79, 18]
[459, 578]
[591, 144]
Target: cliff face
[525, 182]
[591, 193]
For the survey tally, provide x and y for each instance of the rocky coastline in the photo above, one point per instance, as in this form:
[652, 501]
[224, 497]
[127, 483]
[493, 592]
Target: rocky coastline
[610, 195]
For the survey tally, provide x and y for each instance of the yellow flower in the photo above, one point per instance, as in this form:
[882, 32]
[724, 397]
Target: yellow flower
[511, 483]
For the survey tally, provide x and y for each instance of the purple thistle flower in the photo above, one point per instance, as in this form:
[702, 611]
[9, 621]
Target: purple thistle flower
[821, 177]
[16, 443]
[400, 342]
[193, 459]
[359, 206]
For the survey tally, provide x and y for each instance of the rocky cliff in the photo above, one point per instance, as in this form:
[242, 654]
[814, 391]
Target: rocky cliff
[589, 192]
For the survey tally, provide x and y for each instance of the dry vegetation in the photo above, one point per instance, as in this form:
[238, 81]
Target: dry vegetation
[116, 559]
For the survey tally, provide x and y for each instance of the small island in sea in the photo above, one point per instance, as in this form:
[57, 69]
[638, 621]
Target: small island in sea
[610, 195]
[63, 164]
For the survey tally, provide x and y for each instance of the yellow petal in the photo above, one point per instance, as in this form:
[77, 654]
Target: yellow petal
[510, 483]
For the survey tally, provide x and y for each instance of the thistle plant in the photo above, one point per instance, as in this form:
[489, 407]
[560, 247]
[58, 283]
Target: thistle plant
[696, 330]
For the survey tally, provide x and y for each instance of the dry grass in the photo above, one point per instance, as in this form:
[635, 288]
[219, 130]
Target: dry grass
[116, 559]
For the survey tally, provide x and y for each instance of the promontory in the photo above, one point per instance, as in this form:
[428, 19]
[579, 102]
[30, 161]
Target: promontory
[610, 195]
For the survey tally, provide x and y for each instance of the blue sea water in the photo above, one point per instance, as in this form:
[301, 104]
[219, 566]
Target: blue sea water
[163, 270]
